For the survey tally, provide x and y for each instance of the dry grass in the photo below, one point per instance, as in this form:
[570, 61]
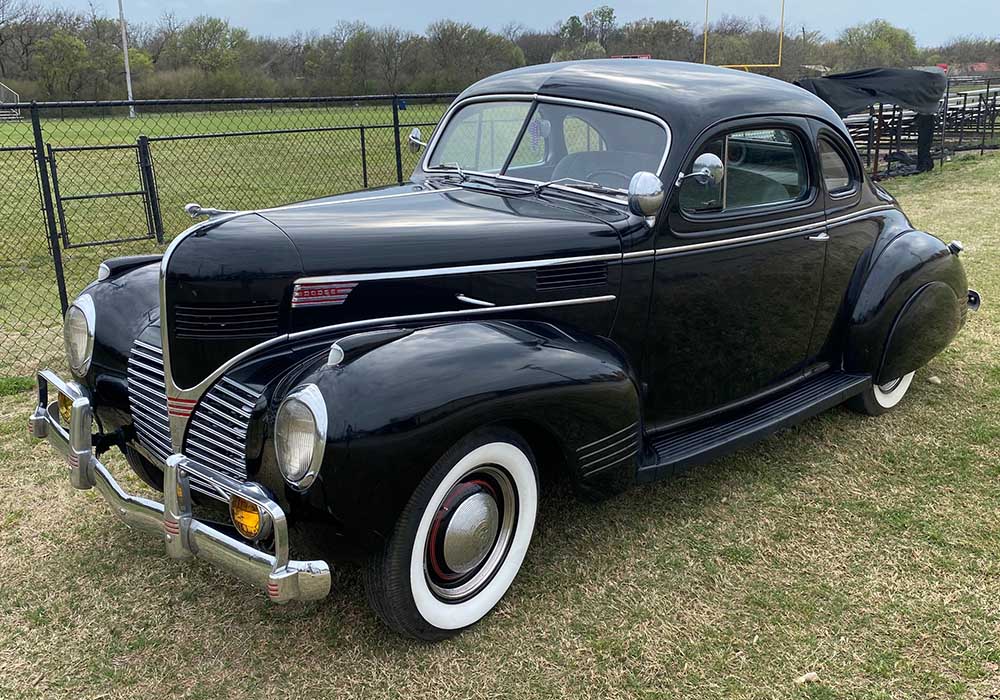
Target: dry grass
[866, 550]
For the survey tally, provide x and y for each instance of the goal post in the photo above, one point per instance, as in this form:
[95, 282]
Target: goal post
[747, 66]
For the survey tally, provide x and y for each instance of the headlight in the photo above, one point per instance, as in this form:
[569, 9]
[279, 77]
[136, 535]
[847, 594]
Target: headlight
[78, 333]
[300, 435]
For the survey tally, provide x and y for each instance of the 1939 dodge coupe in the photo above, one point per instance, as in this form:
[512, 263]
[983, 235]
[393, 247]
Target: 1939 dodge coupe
[614, 269]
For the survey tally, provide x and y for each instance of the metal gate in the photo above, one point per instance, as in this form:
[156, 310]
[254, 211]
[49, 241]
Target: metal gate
[85, 217]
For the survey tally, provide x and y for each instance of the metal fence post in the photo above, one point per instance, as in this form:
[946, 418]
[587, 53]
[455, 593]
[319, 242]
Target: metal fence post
[944, 117]
[50, 217]
[149, 184]
[399, 145]
[364, 160]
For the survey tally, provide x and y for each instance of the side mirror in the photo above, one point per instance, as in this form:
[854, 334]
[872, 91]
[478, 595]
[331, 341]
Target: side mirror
[415, 141]
[707, 170]
[645, 194]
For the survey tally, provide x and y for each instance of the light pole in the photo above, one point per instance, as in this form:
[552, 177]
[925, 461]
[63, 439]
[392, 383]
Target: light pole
[128, 70]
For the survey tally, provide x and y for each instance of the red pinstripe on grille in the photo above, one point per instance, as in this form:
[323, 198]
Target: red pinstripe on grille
[181, 408]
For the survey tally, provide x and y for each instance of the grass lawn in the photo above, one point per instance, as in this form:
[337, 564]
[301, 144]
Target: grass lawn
[864, 550]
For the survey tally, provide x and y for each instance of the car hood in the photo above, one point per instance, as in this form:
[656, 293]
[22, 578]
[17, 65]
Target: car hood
[417, 226]
[230, 280]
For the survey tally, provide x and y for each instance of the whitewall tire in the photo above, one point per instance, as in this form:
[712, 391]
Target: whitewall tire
[461, 539]
[879, 398]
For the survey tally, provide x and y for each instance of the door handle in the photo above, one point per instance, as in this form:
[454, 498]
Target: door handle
[823, 236]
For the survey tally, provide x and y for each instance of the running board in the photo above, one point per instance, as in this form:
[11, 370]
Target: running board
[687, 446]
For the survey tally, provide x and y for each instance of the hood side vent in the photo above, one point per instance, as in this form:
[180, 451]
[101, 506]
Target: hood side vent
[574, 276]
[220, 321]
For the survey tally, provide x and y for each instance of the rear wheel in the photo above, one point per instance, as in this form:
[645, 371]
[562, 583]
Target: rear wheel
[461, 538]
[879, 398]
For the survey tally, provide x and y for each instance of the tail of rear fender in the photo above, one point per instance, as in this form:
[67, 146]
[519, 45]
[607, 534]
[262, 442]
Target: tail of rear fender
[396, 407]
[911, 305]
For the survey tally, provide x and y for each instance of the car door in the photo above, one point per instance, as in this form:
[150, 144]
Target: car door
[850, 234]
[738, 271]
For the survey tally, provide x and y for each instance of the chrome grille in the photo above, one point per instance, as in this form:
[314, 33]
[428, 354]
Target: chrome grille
[217, 433]
[147, 398]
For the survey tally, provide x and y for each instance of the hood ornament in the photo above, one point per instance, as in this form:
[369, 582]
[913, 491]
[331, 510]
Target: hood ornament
[194, 210]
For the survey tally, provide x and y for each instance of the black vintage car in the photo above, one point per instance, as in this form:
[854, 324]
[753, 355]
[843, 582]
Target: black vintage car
[611, 269]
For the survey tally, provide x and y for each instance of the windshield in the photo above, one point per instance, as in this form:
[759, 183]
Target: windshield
[545, 141]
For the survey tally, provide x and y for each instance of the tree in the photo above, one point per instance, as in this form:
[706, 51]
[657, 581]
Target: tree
[875, 43]
[209, 43]
[590, 49]
[573, 32]
[538, 47]
[392, 49]
[462, 54]
[599, 25]
[61, 63]
[669, 39]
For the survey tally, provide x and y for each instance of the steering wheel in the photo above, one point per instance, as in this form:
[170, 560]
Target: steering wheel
[596, 175]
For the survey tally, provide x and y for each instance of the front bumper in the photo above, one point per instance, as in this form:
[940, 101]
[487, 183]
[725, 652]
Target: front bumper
[282, 579]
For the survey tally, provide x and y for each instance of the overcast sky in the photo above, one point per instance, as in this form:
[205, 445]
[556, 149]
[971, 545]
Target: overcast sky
[932, 22]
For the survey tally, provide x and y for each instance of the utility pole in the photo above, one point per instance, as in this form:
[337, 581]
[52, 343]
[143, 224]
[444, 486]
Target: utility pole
[128, 70]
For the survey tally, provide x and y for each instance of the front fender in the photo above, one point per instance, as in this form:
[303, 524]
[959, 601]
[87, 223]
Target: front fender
[396, 408]
[910, 307]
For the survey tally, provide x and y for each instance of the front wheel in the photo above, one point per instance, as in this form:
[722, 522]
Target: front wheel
[879, 398]
[461, 539]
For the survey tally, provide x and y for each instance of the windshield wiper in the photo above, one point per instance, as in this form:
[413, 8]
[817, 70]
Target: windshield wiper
[450, 169]
[578, 184]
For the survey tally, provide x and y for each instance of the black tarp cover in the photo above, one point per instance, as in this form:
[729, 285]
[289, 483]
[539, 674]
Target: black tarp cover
[849, 93]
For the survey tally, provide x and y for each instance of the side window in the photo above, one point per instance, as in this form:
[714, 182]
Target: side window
[836, 172]
[581, 137]
[761, 166]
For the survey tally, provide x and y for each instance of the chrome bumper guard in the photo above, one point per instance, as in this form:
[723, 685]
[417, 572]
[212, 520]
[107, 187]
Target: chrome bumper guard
[282, 579]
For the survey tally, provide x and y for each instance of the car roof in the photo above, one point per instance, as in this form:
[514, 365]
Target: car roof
[688, 96]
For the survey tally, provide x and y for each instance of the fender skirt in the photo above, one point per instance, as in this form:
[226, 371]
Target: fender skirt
[927, 323]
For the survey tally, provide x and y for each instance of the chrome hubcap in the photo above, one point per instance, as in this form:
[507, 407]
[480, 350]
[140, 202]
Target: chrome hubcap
[470, 533]
[889, 386]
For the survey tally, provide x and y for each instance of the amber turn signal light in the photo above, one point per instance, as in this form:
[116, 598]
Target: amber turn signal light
[65, 409]
[247, 517]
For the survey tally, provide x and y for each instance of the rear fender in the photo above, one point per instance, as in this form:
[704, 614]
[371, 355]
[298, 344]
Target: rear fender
[910, 307]
[397, 406]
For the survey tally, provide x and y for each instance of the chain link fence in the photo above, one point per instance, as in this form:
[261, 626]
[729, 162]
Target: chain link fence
[81, 182]
[84, 182]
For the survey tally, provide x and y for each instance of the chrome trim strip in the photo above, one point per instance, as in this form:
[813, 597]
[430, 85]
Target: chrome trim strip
[589, 462]
[627, 438]
[196, 391]
[601, 468]
[664, 252]
[457, 270]
[474, 301]
[843, 219]
[607, 437]
[306, 205]
[536, 97]
[780, 233]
